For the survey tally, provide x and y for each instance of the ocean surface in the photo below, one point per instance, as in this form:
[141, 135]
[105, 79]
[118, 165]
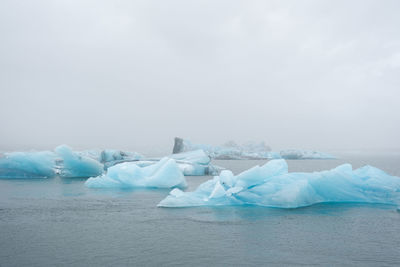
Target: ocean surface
[60, 222]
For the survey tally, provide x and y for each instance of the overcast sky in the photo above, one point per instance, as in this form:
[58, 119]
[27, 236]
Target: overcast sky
[135, 74]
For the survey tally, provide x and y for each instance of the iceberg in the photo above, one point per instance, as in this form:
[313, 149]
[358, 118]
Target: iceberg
[74, 164]
[233, 151]
[64, 162]
[194, 157]
[28, 165]
[162, 174]
[271, 185]
[192, 163]
[196, 163]
[229, 150]
[304, 154]
[110, 157]
[188, 169]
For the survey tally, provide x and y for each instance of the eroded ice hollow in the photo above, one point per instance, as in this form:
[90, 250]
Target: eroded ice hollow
[162, 174]
[272, 185]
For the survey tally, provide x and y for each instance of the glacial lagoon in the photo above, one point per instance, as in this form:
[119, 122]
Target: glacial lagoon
[59, 221]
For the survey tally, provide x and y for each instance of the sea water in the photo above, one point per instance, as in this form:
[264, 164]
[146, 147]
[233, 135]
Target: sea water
[60, 222]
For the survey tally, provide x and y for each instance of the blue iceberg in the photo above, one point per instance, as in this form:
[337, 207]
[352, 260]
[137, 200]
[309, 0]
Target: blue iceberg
[163, 174]
[74, 164]
[28, 165]
[271, 185]
[64, 162]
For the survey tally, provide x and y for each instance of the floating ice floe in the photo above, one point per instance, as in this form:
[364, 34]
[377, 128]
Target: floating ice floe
[271, 185]
[28, 165]
[162, 174]
[231, 150]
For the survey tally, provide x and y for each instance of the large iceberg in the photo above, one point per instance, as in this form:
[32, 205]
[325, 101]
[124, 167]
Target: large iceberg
[229, 150]
[272, 185]
[28, 165]
[162, 174]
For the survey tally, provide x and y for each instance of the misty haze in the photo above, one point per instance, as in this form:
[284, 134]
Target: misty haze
[193, 133]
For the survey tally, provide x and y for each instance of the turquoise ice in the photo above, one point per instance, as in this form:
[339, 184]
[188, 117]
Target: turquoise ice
[163, 174]
[28, 165]
[272, 185]
[76, 165]
[66, 162]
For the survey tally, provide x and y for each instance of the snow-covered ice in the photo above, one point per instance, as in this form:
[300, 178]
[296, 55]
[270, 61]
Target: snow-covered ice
[272, 185]
[162, 174]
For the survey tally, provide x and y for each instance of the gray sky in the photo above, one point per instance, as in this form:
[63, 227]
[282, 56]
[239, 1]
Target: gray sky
[134, 74]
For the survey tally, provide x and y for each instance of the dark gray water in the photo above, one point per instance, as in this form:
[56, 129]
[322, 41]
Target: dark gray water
[60, 222]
